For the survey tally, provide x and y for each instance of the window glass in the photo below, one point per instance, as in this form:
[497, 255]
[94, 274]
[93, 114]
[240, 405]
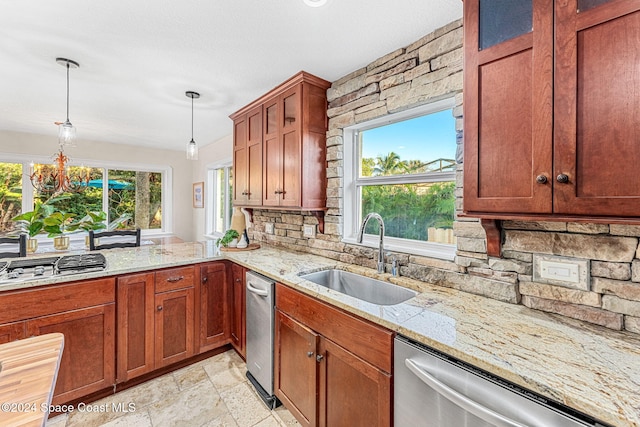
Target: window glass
[223, 197]
[420, 145]
[10, 194]
[89, 180]
[136, 195]
[502, 20]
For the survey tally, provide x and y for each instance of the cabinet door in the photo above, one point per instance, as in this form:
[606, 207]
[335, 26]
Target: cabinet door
[88, 362]
[291, 146]
[240, 167]
[508, 106]
[238, 317]
[174, 326]
[351, 391]
[11, 332]
[597, 107]
[214, 306]
[295, 378]
[272, 163]
[254, 157]
[135, 320]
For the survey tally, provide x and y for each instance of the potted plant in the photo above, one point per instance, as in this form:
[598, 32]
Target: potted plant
[228, 239]
[57, 225]
[91, 221]
[30, 223]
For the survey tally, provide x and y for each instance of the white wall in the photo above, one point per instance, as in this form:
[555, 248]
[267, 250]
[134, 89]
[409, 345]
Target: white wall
[42, 147]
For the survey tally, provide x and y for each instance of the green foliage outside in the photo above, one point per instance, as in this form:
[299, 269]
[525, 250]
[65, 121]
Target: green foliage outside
[10, 194]
[408, 210]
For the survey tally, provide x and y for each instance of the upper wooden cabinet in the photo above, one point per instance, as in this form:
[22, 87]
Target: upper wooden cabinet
[552, 116]
[247, 158]
[292, 143]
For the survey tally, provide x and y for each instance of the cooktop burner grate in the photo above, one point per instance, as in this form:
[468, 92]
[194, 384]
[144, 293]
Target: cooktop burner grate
[81, 262]
[33, 262]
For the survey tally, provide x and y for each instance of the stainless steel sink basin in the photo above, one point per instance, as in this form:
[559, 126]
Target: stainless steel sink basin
[361, 287]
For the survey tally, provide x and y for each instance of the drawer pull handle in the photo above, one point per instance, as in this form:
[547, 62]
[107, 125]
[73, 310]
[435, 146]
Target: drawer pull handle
[175, 279]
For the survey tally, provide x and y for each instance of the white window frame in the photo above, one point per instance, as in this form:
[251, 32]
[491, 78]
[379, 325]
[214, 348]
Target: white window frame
[167, 188]
[352, 185]
[212, 204]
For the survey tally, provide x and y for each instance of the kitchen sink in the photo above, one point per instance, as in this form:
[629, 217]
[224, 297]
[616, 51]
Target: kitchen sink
[361, 287]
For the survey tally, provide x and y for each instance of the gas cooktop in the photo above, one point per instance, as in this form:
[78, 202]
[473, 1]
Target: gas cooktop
[23, 269]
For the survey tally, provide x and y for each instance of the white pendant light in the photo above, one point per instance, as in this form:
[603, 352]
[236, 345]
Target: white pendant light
[66, 131]
[192, 148]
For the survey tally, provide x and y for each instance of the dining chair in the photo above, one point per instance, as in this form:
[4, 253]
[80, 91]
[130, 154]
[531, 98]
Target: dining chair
[11, 247]
[121, 239]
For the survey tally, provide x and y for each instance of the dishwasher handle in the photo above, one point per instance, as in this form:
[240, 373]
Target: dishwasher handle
[256, 291]
[461, 400]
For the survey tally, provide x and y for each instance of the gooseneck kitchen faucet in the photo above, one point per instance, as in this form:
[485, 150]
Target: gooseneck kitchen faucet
[381, 237]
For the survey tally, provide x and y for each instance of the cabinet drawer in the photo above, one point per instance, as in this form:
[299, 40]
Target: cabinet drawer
[175, 278]
[368, 341]
[35, 302]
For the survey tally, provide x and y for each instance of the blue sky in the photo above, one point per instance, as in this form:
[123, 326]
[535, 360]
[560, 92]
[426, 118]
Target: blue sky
[424, 138]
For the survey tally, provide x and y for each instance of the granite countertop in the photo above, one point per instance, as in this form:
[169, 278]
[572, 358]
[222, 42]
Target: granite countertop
[589, 368]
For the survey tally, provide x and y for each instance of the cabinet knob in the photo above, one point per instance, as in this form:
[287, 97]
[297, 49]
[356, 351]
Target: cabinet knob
[159, 308]
[541, 179]
[244, 193]
[319, 357]
[309, 353]
[204, 279]
[562, 178]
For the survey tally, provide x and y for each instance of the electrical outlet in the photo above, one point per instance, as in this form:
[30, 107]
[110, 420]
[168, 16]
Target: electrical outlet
[268, 227]
[562, 271]
[309, 231]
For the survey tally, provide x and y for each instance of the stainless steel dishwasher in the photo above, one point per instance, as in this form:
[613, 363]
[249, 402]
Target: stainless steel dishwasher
[432, 389]
[260, 330]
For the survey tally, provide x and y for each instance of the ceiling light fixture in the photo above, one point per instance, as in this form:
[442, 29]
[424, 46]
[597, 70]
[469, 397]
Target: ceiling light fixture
[315, 3]
[66, 131]
[192, 148]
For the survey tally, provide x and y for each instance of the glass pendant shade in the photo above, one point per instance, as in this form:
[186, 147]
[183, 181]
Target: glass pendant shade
[66, 134]
[192, 150]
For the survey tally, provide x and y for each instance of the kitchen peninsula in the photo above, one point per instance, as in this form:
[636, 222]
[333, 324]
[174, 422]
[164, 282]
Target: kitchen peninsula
[588, 368]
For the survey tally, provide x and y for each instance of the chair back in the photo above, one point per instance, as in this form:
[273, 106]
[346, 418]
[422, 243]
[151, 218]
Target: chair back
[11, 247]
[124, 239]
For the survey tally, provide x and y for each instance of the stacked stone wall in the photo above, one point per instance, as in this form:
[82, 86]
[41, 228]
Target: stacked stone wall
[425, 71]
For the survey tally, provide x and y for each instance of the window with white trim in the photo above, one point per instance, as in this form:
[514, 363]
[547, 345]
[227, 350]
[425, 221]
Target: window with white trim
[131, 195]
[221, 206]
[402, 166]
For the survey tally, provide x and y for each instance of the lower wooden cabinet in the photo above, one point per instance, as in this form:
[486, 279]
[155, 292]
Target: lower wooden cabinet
[331, 368]
[84, 312]
[156, 320]
[238, 310]
[215, 306]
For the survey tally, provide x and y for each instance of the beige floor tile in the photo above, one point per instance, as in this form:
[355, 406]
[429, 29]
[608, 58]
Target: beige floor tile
[223, 362]
[268, 422]
[192, 407]
[96, 413]
[228, 378]
[149, 392]
[225, 420]
[190, 376]
[284, 416]
[244, 405]
[138, 419]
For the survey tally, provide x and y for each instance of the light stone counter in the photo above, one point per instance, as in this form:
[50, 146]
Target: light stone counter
[589, 368]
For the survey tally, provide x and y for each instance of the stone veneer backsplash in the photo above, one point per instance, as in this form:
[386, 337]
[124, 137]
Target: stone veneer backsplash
[425, 71]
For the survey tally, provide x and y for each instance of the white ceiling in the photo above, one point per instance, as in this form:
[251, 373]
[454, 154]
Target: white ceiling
[137, 58]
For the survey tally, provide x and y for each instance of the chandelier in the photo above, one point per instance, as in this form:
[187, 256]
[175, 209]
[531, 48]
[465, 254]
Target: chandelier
[59, 177]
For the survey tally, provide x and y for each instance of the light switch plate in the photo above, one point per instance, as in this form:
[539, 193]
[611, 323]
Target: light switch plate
[562, 271]
[309, 230]
[268, 227]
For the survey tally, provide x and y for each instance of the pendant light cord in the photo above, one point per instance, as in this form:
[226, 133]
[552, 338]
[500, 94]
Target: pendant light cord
[191, 118]
[67, 91]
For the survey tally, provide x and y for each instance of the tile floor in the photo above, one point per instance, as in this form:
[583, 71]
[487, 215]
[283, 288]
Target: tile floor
[213, 392]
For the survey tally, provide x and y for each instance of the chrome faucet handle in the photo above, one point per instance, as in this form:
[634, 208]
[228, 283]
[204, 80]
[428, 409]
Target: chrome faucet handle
[394, 265]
